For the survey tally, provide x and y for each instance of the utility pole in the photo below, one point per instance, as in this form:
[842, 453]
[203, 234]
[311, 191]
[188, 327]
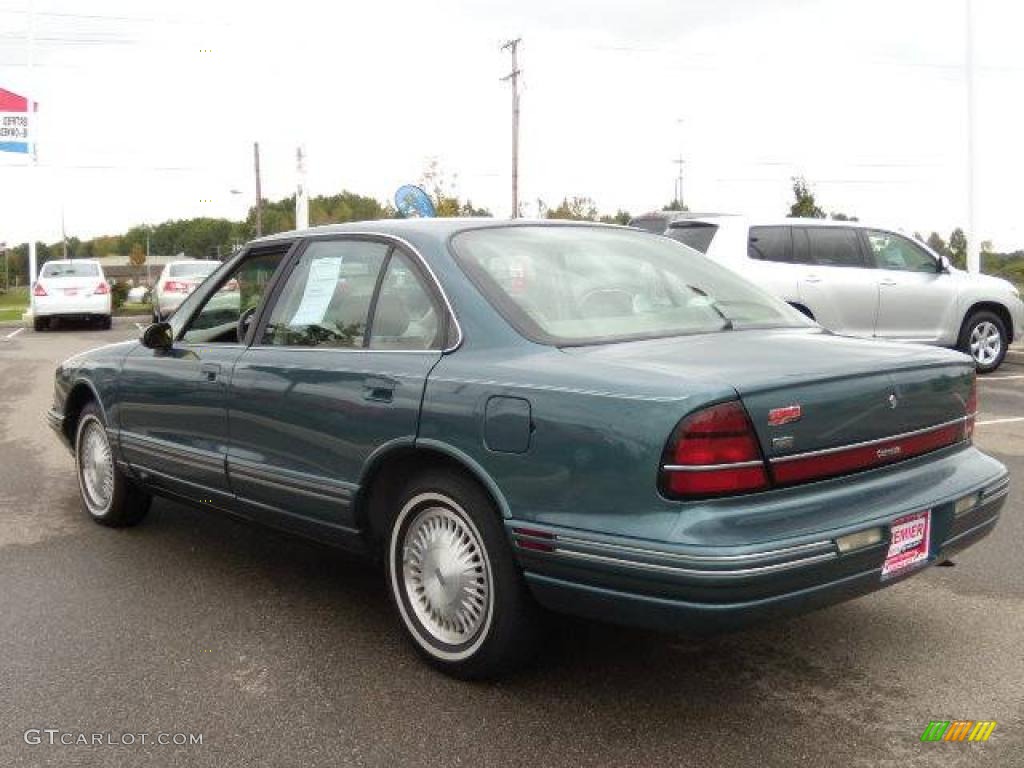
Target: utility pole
[301, 196]
[679, 161]
[259, 189]
[63, 233]
[679, 181]
[973, 240]
[513, 47]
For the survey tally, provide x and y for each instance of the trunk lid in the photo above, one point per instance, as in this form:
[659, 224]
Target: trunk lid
[71, 285]
[848, 390]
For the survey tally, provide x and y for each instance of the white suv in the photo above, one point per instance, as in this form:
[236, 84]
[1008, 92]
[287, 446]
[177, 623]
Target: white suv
[859, 280]
[75, 289]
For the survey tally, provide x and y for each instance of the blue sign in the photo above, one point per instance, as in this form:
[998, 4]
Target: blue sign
[411, 201]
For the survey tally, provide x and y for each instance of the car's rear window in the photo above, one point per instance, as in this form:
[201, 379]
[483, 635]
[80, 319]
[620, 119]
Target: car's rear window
[196, 269]
[696, 234]
[654, 224]
[70, 269]
[567, 285]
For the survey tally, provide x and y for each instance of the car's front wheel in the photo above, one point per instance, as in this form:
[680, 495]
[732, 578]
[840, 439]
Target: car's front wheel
[454, 580]
[107, 495]
[984, 338]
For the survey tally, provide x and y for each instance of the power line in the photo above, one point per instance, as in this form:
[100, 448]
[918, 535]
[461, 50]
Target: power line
[102, 17]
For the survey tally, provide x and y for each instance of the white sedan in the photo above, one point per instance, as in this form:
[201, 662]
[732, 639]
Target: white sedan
[74, 289]
[176, 282]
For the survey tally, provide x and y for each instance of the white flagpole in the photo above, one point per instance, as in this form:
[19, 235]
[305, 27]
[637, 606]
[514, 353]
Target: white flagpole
[33, 157]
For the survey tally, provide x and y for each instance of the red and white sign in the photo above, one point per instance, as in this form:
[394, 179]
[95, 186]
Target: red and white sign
[908, 544]
[14, 123]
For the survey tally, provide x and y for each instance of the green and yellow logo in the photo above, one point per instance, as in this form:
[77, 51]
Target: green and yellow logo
[958, 730]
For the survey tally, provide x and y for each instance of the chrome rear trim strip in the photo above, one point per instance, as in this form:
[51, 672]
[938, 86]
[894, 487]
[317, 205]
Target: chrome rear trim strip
[626, 551]
[737, 573]
[867, 443]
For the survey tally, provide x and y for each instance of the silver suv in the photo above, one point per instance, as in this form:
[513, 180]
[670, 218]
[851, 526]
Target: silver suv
[859, 280]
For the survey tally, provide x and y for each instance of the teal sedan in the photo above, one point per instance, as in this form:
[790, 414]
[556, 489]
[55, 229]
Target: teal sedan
[518, 416]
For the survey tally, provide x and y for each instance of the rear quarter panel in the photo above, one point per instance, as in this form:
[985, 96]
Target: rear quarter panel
[595, 446]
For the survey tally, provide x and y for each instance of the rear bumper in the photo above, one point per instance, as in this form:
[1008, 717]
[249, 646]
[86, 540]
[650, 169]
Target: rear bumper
[713, 588]
[91, 306]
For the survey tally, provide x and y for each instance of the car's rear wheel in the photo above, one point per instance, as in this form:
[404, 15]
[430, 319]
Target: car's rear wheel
[39, 323]
[984, 338]
[107, 495]
[105, 322]
[451, 574]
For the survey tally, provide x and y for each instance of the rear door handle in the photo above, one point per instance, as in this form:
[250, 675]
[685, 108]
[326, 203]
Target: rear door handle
[379, 389]
[209, 371]
[812, 279]
[887, 282]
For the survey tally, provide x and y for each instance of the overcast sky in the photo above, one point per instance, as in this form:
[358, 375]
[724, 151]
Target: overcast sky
[865, 98]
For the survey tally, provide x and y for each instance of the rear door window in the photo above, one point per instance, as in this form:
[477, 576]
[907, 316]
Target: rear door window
[834, 247]
[770, 244]
[696, 234]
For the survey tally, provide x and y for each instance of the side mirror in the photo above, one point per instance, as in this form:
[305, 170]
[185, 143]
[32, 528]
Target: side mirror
[158, 336]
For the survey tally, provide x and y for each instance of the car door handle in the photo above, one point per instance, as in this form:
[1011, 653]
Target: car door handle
[209, 371]
[812, 279]
[379, 389]
[887, 282]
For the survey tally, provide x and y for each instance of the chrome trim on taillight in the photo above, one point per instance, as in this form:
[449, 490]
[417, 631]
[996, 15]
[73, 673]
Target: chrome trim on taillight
[710, 467]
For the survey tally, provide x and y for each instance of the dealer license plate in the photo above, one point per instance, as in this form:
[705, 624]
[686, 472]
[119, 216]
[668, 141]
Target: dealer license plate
[908, 543]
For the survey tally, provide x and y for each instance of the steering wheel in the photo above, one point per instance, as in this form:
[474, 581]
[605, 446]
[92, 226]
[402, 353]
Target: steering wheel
[243, 323]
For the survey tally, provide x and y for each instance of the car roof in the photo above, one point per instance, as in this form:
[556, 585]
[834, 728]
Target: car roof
[72, 261]
[438, 227]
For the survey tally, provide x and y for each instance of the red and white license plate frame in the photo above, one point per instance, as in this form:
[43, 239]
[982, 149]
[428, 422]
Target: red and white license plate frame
[909, 543]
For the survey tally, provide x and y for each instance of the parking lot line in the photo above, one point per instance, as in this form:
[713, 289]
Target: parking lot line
[13, 333]
[140, 326]
[1001, 378]
[1009, 420]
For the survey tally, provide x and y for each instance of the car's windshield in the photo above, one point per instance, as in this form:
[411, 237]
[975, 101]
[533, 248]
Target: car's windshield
[193, 268]
[580, 284]
[70, 269]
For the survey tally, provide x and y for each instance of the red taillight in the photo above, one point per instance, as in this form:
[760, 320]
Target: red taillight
[714, 452]
[173, 286]
[38, 290]
[102, 289]
[972, 410]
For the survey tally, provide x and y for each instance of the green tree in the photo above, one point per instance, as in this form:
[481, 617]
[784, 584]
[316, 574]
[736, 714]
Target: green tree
[838, 216]
[675, 205]
[958, 248]
[620, 217]
[937, 244]
[137, 257]
[574, 208]
[804, 205]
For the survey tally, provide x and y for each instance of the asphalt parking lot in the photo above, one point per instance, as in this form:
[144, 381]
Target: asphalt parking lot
[281, 652]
